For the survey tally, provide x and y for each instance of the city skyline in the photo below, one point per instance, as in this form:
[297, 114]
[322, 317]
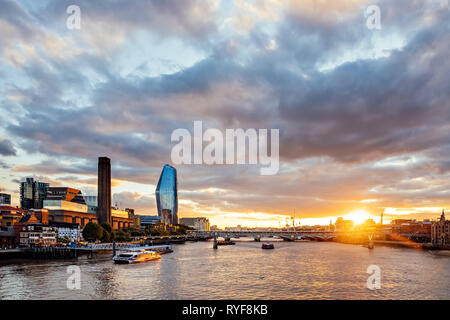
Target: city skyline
[363, 114]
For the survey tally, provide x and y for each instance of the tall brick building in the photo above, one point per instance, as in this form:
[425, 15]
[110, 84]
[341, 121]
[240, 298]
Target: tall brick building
[104, 191]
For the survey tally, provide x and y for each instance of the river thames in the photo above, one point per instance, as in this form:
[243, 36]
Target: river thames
[294, 270]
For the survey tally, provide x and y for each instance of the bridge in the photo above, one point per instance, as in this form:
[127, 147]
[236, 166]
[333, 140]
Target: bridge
[258, 234]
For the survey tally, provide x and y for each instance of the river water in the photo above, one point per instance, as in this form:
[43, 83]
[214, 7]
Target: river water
[294, 270]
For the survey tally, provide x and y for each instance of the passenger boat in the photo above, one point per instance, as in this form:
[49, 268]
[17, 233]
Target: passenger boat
[136, 256]
[268, 245]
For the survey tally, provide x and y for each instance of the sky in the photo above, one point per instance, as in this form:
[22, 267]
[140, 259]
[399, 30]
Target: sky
[363, 114]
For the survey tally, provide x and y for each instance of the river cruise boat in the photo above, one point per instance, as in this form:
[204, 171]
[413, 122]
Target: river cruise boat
[136, 256]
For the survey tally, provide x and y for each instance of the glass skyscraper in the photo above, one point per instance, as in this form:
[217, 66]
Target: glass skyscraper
[32, 194]
[167, 195]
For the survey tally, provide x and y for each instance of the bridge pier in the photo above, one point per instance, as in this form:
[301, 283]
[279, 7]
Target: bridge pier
[215, 241]
[114, 248]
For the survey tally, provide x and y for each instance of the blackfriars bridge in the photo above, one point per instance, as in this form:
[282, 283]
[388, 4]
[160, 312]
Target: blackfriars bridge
[258, 234]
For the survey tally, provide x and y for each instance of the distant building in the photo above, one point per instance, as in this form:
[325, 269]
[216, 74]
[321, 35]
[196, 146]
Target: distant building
[368, 225]
[7, 237]
[66, 194]
[67, 230]
[31, 232]
[146, 221]
[136, 221]
[167, 194]
[440, 232]
[33, 235]
[5, 198]
[411, 226]
[342, 225]
[91, 202]
[104, 191]
[201, 223]
[65, 205]
[32, 194]
[42, 215]
[9, 216]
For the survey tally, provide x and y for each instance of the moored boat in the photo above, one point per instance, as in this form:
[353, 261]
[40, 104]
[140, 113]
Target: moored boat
[225, 243]
[268, 245]
[162, 250]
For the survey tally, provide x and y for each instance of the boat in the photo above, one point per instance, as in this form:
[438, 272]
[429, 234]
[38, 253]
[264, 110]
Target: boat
[162, 249]
[136, 256]
[268, 245]
[225, 243]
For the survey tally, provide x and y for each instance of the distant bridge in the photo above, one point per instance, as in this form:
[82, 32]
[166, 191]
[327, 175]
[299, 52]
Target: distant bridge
[257, 234]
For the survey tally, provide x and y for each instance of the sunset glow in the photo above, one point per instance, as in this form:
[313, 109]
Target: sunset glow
[346, 150]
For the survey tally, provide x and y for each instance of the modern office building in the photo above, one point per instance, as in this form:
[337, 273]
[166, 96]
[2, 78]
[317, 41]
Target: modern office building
[32, 194]
[201, 223]
[167, 194]
[5, 198]
[104, 191]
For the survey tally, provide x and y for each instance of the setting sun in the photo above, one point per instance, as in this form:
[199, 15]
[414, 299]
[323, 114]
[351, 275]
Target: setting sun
[358, 216]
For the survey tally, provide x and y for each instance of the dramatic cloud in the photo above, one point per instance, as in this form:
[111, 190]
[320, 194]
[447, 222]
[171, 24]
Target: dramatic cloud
[363, 114]
[7, 148]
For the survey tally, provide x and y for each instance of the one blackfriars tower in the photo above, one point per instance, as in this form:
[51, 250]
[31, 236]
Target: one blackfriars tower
[167, 195]
[104, 191]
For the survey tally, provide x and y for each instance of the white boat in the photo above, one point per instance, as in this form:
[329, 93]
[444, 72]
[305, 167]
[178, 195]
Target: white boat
[136, 256]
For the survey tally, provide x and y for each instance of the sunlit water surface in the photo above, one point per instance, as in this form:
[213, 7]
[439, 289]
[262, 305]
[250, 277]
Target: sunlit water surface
[305, 270]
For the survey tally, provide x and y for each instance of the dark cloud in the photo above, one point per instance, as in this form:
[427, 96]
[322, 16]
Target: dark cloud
[6, 148]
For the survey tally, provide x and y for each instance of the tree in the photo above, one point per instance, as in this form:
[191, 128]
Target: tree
[92, 232]
[107, 232]
[120, 235]
[107, 227]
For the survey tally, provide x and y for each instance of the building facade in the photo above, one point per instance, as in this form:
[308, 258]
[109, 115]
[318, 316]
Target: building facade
[66, 194]
[7, 238]
[36, 235]
[440, 232]
[201, 223]
[32, 194]
[69, 231]
[145, 221]
[167, 194]
[5, 198]
[9, 216]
